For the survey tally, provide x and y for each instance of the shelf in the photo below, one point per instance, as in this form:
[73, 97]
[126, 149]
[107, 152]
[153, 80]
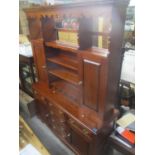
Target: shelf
[67, 30]
[66, 75]
[76, 31]
[65, 62]
[63, 46]
[70, 91]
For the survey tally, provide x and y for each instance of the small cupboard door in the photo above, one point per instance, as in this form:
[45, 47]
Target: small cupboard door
[79, 143]
[40, 61]
[91, 79]
[94, 77]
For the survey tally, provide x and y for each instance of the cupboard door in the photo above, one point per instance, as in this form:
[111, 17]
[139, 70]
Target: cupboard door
[93, 73]
[91, 77]
[39, 58]
[79, 143]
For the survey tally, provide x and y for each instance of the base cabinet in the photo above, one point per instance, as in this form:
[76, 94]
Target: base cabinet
[79, 139]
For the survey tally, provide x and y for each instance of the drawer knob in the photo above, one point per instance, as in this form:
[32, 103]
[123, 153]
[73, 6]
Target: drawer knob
[35, 92]
[82, 116]
[62, 121]
[47, 115]
[53, 91]
[44, 66]
[60, 112]
[42, 98]
[68, 135]
[62, 129]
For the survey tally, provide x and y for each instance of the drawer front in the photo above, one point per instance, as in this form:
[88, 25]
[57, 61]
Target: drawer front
[56, 112]
[85, 133]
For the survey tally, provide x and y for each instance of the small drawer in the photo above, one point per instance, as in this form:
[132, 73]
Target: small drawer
[56, 113]
[81, 130]
[65, 134]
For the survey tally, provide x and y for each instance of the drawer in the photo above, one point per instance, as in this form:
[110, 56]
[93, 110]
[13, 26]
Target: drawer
[59, 122]
[56, 112]
[64, 132]
[85, 133]
[59, 118]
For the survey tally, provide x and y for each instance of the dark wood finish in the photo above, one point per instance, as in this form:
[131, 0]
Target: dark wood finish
[48, 30]
[39, 58]
[66, 75]
[64, 47]
[65, 61]
[80, 114]
[91, 84]
[35, 28]
[72, 92]
[94, 72]
[78, 86]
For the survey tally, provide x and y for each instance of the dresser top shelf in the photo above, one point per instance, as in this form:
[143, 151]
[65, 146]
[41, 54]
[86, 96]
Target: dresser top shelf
[63, 46]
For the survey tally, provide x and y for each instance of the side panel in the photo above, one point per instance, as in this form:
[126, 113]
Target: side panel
[39, 58]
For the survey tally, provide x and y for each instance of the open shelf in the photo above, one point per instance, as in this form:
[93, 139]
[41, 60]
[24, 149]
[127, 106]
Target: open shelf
[65, 62]
[63, 46]
[76, 31]
[65, 75]
[66, 30]
[70, 91]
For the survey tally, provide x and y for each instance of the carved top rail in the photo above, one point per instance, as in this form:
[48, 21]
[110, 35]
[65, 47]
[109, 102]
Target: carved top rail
[86, 9]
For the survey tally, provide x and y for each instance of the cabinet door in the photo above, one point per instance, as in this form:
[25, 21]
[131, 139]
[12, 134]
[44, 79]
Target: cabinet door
[94, 77]
[39, 58]
[91, 83]
[79, 143]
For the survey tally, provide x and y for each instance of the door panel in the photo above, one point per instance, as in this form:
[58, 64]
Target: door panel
[40, 62]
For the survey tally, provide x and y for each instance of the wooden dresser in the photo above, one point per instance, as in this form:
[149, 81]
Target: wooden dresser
[79, 75]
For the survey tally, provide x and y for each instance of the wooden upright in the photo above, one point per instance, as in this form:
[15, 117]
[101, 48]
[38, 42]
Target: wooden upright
[78, 85]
